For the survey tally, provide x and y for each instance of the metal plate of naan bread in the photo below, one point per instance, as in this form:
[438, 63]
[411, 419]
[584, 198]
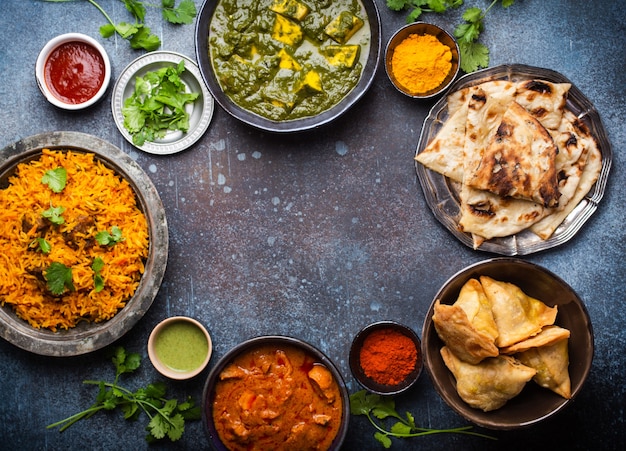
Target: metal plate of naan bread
[481, 216]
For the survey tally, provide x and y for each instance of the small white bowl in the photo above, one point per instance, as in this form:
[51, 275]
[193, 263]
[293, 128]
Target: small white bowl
[178, 333]
[53, 44]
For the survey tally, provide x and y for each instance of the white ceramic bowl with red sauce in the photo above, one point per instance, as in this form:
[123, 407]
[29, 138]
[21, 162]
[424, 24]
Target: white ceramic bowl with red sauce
[73, 71]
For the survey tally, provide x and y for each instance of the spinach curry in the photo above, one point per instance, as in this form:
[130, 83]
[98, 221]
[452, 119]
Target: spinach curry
[288, 59]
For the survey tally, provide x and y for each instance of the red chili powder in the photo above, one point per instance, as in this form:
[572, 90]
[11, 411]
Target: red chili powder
[388, 356]
[74, 72]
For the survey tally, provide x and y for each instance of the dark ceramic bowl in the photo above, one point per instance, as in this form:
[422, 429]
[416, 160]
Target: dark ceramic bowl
[278, 341]
[88, 337]
[422, 28]
[534, 404]
[206, 68]
[370, 384]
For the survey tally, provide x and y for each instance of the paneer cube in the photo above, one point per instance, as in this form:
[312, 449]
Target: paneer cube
[287, 31]
[311, 83]
[290, 8]
[343, 27]
[287, 61]
[341, 55]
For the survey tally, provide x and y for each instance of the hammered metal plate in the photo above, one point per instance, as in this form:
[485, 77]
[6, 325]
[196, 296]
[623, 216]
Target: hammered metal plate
[442, 196]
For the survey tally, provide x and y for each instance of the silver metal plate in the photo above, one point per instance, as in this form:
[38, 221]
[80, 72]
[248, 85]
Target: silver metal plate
[442, 195]
[200, 112]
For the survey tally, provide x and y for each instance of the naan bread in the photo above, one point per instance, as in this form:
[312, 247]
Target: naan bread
[467, 327]
[574, 142]
[591, 170]
[544, 100]
[551, 363]
[484, 114]
[445, 153]
[517, 315]
[519, 160]
[489, 384]
[517, 168]
[502, 88]
[488, 215]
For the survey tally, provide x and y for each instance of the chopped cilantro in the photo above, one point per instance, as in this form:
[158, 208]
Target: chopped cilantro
[55, 179]
[157, 104]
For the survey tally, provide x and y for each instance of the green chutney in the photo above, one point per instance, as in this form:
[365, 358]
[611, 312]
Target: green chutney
[181, 346]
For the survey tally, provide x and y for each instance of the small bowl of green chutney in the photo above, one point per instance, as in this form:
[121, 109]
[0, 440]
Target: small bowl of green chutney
[179, 347]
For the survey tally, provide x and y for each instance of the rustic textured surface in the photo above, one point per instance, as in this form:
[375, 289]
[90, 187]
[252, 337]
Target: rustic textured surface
[318, 234]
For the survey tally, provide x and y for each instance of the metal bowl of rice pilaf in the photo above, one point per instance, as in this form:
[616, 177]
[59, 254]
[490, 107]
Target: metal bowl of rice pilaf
[83, 242]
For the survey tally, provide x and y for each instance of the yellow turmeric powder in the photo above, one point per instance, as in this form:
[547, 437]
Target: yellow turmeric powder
[420, 63]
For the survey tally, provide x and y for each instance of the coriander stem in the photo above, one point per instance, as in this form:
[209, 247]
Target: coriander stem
[102, 11]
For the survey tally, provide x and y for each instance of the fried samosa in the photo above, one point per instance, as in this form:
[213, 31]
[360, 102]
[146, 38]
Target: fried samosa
[517, 315]
[551, 361]
[489, 384]
[467, 327]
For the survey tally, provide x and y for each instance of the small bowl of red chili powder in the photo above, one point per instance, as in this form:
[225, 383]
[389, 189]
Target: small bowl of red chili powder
[385, 357]
[73, 71]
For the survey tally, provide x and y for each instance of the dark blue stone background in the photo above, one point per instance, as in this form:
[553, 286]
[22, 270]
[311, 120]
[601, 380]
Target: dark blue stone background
[318, 234]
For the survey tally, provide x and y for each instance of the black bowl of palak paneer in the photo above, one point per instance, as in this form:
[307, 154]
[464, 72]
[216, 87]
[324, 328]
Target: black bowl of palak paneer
[288, 65]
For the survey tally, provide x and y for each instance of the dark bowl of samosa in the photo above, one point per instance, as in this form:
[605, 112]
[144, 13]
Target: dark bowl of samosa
[507, 343]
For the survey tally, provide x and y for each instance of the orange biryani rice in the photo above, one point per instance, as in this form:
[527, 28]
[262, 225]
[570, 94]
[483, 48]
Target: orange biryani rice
[95, 199]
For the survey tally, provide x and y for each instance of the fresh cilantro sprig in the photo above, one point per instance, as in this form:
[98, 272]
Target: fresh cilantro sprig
[376, 406]
[138, 34]
[474, 55]
[106, 238]
[97, 266]
[54, 214]
[59, 278]
[42, 244]
[158, 104]
[418, 7]
[167, 416]
[55, 179]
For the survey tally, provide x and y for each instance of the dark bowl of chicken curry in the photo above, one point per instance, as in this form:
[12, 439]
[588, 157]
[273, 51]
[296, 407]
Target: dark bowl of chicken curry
[287, 65]
[278, 393]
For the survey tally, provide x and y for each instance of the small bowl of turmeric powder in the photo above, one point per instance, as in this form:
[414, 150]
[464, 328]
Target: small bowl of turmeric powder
[385, 357]
[422, 60]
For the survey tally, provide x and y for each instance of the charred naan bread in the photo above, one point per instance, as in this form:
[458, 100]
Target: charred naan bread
[519, 161]
[544, 100]
[489, 384]
[467, 327]
[517, 315]
[551, 363]
[576, 177]
[488, 215]
[502, 88]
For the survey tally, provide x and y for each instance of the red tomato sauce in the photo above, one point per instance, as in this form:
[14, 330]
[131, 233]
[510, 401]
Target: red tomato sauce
[74, 72]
